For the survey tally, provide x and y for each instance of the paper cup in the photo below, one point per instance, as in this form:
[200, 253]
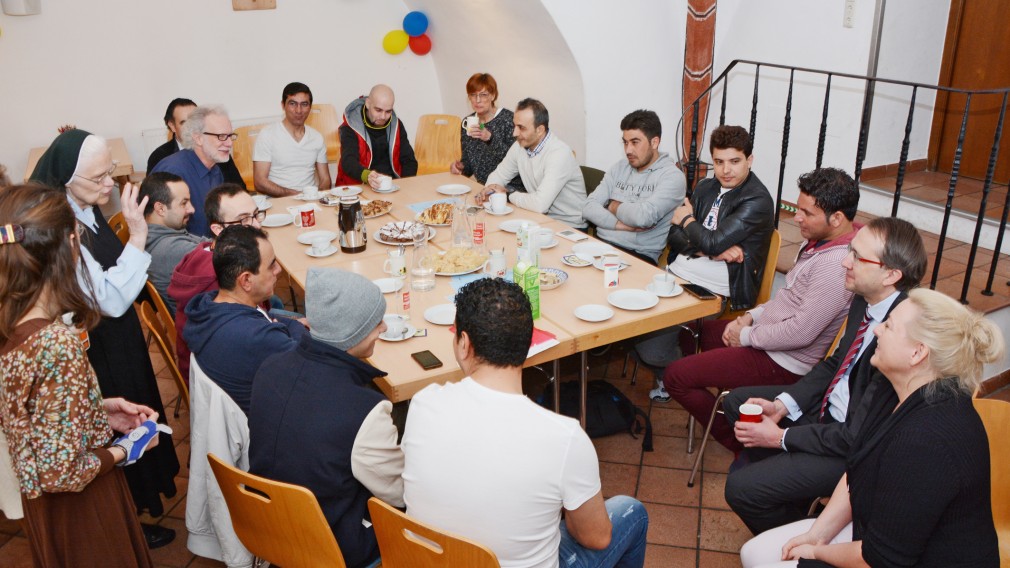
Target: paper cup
[750, 413]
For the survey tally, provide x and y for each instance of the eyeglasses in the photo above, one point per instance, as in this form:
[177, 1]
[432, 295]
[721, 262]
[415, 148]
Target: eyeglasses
[247, 219]
[222, 137]
[101, 179]
[483, 95]
[857, 258]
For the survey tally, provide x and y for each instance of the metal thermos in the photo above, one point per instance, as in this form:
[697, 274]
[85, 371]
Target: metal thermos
[353, 235]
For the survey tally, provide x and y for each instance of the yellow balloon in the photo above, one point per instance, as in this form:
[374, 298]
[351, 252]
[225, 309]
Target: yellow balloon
[395, 42]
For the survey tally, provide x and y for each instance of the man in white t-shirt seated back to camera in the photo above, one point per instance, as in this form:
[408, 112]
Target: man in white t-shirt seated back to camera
[485, 462]
[289, 154]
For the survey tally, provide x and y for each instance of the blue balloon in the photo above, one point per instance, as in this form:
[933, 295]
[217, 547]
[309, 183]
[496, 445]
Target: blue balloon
[415, 23]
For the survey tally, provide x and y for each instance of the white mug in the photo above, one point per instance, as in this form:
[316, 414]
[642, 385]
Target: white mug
[296, 214]
[664, 283]
[321, 244]
[310, 192]
[395, 325]
[497, 201]
[396, 264]
[470, 122]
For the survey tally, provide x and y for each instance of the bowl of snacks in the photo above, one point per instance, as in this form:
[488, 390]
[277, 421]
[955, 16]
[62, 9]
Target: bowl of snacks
[551, 278]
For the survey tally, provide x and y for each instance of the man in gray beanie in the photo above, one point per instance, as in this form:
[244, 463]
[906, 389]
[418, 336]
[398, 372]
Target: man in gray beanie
[315, 421]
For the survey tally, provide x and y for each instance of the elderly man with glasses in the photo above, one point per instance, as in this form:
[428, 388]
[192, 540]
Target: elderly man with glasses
[208, 137]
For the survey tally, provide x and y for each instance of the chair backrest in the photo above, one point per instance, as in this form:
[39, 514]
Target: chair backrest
[278, 522]
[162, 311]
[242, 151]
[118, 225]
[436, 142]
[838, 338]
[325, 119]
[161, 333]
[995, 415]
[592, 177]
[767, 277]
[406, 543]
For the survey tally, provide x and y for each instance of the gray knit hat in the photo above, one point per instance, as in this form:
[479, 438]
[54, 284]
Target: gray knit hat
[342, 307]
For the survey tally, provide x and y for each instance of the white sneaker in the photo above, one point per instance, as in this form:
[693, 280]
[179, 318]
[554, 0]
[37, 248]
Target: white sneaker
[659, 393]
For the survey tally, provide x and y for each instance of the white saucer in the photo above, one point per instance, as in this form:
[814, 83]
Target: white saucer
[330, 251]
[593, 312]
[390, 190]
[388, 285]
[442, 314]
[632, 299]
[593, 248]
[409, 333]
[598, 264]
[277, 220]
[345, 191]
[306, 238]
[512, 225]
[677, 290]
[508, 209]
[303, 197]
[453, 189]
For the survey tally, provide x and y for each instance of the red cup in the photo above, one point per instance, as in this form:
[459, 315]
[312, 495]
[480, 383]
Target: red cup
[750, 413]
[308, 217]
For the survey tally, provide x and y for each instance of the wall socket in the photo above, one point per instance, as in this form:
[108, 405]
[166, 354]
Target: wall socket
[849, 17]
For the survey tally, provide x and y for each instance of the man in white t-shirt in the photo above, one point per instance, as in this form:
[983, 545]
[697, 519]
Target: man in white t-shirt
[290, 155]
[485, 462]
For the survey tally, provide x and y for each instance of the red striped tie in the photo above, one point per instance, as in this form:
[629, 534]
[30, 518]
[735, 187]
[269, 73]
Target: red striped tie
[850, 356]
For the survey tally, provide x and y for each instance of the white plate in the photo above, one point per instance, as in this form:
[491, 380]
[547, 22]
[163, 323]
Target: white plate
[677, 290]
[577, 260]
[386, 212]
[508, 209]
[512, 225]
[454, 189]
[442, 314]
[409, 333]
[549, 245]
[388, 285]
[598, 264]
[333, 249]
[378, 238]
[417, 218]
[561, 274]
[472, 270]
[632, 299]
[277, 220]
[593, 248]
[306, 238]
[390, 190]
[345, 191]
[594, 312]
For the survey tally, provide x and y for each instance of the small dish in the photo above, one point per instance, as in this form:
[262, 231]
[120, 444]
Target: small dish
[508, 209]
[329, 251]
[388, 285]
[442, 314]
[277, 220]
[677, 290]
[454, 189]
[598, 264]
[512, 225]
[632, 299]
[390, 190]
[577, 260]
[408, 333]
[594, 248]
[345, 191]
[556, 276]
[307, 238]
[594, 312]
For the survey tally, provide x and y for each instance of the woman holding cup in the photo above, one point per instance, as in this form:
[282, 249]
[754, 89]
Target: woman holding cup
[916, 491]
[487, 133]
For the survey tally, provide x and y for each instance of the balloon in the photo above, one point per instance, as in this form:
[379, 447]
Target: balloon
[395, 42]
[415, 24]
[421, 44]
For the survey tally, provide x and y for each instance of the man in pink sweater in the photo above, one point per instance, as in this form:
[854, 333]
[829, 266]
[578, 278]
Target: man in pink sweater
[781, 340]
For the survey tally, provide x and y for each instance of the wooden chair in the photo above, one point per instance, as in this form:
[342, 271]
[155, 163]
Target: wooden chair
[406, 543]
[155, 324]
[592, 177]
[278, 522]
[995, 415]
[436, 142]
[767, 277]
[118, 225]
[242, 151]
[325, 119]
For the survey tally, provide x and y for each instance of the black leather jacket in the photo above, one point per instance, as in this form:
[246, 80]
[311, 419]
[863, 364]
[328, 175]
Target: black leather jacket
[746, 218]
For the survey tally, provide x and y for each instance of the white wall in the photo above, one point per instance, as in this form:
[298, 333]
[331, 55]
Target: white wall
[111, 66]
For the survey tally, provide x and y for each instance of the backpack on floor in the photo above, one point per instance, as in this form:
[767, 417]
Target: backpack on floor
[608, 411]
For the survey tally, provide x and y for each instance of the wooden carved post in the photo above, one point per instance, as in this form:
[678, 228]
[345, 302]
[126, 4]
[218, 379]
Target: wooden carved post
[699, 48]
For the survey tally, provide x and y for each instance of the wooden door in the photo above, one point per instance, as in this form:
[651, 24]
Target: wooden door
[976, 55]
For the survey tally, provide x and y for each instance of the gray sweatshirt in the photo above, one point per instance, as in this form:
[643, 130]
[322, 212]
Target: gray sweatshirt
[647, 198]
[167, 246]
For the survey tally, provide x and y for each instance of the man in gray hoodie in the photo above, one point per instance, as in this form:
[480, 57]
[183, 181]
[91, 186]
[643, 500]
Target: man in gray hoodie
[168, 210]
[634, 203]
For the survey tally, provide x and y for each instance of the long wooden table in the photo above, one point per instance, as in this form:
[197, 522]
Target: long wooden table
[584, 286]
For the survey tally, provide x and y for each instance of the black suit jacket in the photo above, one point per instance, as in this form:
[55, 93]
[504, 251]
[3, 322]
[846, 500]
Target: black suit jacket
[865, 382]
[228, 169]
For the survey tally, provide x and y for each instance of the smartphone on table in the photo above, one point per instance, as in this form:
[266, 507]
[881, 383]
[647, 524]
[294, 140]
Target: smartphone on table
[700, 292]
[427, 360]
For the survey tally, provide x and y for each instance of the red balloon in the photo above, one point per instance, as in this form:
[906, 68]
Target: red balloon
[421, 44]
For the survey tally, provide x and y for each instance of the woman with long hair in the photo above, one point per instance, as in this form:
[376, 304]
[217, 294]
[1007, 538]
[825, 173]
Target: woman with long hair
[916, 491]
[77, 507]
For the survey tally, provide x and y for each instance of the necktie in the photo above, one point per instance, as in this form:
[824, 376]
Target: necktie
[850, 356]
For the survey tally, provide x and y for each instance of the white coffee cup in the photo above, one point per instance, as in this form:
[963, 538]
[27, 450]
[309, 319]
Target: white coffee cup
[320, 244]
[310, 192]
[498, 201]
[611, 260]
[396, 264]
[470, 122]
[544, 237]
[395, 325]
[664, 283]
[385, 183]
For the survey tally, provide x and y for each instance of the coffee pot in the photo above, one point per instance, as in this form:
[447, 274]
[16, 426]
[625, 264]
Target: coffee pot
[351, 220]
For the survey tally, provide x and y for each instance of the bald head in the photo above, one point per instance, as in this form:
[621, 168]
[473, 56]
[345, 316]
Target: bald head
[379, 105]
